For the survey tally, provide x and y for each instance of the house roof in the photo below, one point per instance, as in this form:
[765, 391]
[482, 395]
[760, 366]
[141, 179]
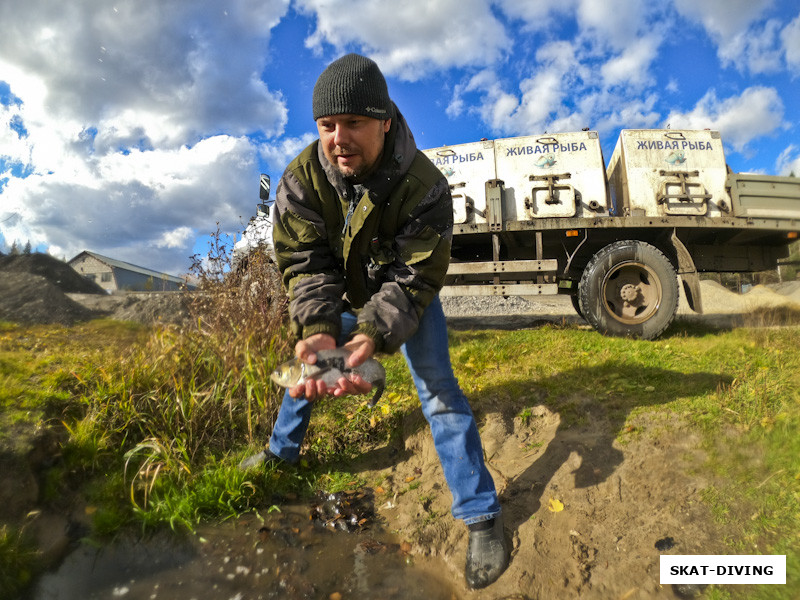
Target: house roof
[120, 264]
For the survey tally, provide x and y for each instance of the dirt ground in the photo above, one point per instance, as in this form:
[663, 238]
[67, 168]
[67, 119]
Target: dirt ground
[587, 517]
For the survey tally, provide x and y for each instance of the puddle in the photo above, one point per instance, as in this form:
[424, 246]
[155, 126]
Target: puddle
[281, 555]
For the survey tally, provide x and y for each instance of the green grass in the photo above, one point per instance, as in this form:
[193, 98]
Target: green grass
[18, 561]
[152, 422]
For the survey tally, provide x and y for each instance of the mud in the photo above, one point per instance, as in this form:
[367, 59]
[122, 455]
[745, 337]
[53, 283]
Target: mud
[268, 556]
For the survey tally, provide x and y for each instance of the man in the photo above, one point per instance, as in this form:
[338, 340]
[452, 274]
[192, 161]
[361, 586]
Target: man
[362, 229]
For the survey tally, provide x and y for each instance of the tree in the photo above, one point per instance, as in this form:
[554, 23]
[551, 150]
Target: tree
[14, 249]
[27, 250]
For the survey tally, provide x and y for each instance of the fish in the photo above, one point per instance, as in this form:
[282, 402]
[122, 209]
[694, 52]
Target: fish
[330, 366]
[546, 160]
[676, 158]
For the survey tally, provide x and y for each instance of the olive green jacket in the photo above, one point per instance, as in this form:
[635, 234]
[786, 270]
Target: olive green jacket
[380, 248]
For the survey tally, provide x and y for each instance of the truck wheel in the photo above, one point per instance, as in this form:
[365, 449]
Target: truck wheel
[576, 304]
[629, 289]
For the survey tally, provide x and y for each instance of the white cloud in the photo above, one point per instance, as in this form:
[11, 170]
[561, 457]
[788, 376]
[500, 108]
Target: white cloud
[409, 39]
[124, 105]
[278, 155]
[617, 23]
[614, 22]
[723, 19]
[494, 105]
[632, 65]
[569, 84]
[177, 238]
[609, 114]
[536, 16]
[734, 25]
[13, 145]
[569, 89]
[162, 72]
[756, 49]
[788, 162]
[790, 37]
[757, 112]
[543, 94]
[136, 206]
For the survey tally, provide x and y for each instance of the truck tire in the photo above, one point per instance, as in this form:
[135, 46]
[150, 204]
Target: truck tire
[629, 289]
[576, 304]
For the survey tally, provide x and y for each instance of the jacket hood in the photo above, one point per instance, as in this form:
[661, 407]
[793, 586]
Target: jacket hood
[392, 167]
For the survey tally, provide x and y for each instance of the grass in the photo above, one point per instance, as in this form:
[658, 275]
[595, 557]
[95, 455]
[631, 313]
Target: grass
[18, 561]
[151, 422]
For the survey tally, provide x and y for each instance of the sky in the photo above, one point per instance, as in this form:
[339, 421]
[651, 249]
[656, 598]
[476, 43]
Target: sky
[137, 128]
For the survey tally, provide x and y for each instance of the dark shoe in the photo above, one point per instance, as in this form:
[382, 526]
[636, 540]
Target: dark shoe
[264, 458]
[487, 555]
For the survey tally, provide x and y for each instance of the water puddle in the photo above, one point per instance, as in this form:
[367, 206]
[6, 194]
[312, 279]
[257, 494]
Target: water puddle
[328, 552]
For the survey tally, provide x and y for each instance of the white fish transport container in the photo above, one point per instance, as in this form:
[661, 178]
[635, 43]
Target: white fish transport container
[525, 178]
[552, 175]
[657, 172]
[467, 167]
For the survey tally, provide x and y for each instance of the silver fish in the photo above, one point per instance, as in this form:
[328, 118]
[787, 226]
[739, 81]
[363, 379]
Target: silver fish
[330, 366]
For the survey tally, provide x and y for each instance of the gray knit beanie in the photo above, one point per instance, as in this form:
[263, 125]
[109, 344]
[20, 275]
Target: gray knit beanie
[352, 85]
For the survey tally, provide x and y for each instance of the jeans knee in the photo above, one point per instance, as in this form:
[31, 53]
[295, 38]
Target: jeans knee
[442, 405]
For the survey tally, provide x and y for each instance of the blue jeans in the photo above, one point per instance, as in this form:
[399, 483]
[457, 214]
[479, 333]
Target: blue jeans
[455, 434]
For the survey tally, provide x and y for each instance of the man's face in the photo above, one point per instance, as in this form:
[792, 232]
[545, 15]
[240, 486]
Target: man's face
[353, 143]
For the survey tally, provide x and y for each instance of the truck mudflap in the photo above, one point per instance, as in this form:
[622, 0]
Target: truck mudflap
[688, 273]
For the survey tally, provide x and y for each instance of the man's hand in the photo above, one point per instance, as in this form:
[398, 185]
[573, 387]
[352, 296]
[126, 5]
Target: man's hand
[361, 347]
[306, 350]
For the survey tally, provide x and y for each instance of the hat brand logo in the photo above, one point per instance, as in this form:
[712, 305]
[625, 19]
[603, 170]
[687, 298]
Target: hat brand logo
[375, 110]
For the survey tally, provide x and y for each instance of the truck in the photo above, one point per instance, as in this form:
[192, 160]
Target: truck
[543, 214]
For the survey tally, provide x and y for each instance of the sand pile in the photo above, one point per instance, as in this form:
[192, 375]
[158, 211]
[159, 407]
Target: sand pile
[717, 299]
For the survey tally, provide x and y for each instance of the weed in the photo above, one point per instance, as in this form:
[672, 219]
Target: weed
[339, 481]
[18, 561]
[525, 416]
[774, 316]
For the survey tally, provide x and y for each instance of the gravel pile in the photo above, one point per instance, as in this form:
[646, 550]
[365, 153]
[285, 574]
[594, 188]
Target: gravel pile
[55, 271]
[27, 298]
[468, 306]
[717, 299]
[38, 288]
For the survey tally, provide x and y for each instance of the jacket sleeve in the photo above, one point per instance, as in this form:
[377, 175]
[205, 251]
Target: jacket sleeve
[415, 276]
[311, 273]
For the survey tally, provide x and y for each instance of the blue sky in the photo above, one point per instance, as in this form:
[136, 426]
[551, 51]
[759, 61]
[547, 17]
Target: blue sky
[131, 128]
